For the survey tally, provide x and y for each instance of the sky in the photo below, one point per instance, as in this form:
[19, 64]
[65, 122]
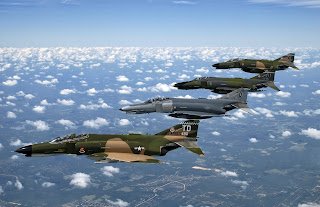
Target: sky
[159, 23]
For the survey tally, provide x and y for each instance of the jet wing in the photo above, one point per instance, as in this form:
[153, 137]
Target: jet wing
[123, 157]
[192, 115]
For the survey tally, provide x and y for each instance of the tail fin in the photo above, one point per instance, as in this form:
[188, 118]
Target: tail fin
[239, 95]
[288, 60]
[267, 76]
[187, 128]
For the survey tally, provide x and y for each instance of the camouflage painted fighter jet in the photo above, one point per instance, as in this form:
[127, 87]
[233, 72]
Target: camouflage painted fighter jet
[105, 148]
[259, 66]
[227, 85]
[193, 108]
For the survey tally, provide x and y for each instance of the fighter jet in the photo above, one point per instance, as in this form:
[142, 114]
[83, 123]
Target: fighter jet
[106, 148]
[259, 66]
[193, 108]
[227, 85]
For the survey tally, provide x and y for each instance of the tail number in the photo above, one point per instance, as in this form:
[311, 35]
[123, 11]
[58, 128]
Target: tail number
[185, 130]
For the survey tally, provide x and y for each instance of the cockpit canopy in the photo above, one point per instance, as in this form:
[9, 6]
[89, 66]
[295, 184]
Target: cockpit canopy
[235, 60]
[69, 138]
[201, 78]
[155, 99]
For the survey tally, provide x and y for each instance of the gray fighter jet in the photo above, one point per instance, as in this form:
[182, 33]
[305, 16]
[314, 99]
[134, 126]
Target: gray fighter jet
[193, 108]
[226, 85]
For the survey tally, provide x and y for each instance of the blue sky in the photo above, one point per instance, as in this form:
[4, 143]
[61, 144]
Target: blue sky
[240, 23]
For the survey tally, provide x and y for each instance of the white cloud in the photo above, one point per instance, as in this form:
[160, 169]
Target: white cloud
[286, 133]
[310, 204]
[80, 180]
[148, 78]
[243, 184]
[67, 91]
[39, 109]
[160, 71]
[257, 95]
[1, 190]
[124, 122]
[253, 140]
[140, 83]
[266, 112]
[202, 70]
[162, 87]
[1, 146]
[46, 82]
[229, 174]
[302, 3]
[183, 76]
[40, 125]
[66, 123]
[122, 78]
[311, 132]
[125, 90]
[14, 157]
[11, 98]
[29, 96]
[185, 2]
[215, 133]
[92, 91]
[69, 102]
[18, 185]
[18, 142]
[97, 123]
[45, 103]
[96, 106]
[279, 103]
[185, 97]
[289, 113]
[317, 92]
[283, 94]
[48, 184]
[119, 203]
[109, 170]
[10, 82]
[304, 85]
[124, 102]
[214, 96]
[11, 115]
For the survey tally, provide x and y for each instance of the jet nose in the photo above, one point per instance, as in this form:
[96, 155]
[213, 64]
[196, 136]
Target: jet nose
[178, 85]
[27, 150]
[215, 65]
[126, 108]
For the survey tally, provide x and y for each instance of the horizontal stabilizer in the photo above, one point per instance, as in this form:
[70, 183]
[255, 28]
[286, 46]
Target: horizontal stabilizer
[243, 107]
[191, 145]
[271, 85]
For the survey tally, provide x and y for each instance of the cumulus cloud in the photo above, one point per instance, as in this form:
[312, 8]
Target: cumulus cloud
[310, 204]
[29, 96]
[47, 82]
[229, 174]
[1, 190]
[283, 94]
[96, 106]
[124, 122]
[1, 146]
[10, 82]
[39, 109]
[215, 133]
[122, 78]
[40, 125]
[67, 91]
[286, 133]
[96, 124]
[253, 140]
[118, 202]
[125, 102]
[92, 91]
[11, 115]
[311, 132]
[264, 111]
[109, 170]
[80, 180]
[243, 184]
[140, 83]
[69, 102]
[257, 95]
[183, 76]
[48, 184]
[66, 123]
[18, 185]
[289, 113]
[14, 157]
[162, 87]
[45, 103]
[317, 92]
[125, 90]
[18, 142]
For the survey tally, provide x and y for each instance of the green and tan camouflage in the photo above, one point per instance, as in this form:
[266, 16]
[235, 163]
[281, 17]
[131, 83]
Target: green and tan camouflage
[259, 66]
[227, 85]
[105, 148]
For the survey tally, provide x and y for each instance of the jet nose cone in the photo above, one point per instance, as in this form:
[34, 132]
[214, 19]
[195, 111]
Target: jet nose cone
[215, 65]
[27, 150]
[178, 85]
[126, 108]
